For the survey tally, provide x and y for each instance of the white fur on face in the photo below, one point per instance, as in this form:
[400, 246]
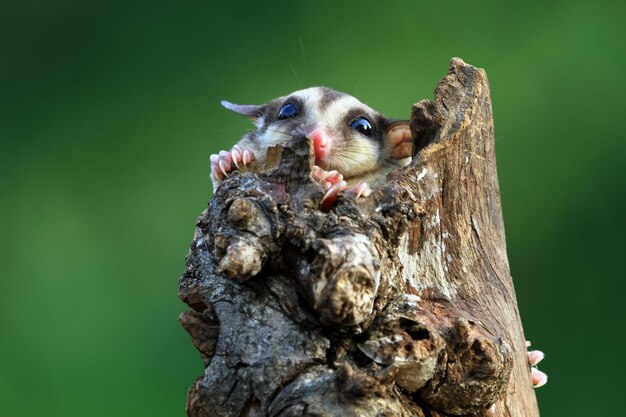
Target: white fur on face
[351, 153]
[354, 154]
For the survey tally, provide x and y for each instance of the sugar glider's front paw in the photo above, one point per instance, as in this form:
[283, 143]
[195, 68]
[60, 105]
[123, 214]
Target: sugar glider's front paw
[334, 184]
[225, 161]
[329, 177]
[361, 190]
[538, 378]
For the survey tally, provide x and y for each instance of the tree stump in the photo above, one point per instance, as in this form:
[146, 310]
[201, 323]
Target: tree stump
[399, 304]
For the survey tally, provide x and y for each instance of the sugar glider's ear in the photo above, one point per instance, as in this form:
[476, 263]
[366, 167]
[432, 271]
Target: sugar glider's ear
[252, 111]
[398, 138]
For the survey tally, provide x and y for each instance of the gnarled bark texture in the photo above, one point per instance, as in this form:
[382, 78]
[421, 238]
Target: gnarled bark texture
[399, 304]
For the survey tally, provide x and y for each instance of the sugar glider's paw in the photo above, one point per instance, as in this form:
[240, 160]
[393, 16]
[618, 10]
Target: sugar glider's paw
[225, 161]
[361, 190]
[538, 378]
[329, 177]
[335, 184]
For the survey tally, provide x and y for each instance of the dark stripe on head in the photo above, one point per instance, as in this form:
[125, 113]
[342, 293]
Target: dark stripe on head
[328, 96]
[269, 114]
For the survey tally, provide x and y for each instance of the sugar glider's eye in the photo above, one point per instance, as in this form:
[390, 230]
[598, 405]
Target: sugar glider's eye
[362, 125]
[288, 111]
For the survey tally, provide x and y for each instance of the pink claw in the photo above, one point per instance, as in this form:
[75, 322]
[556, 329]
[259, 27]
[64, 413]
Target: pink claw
[334, 190]
[215, 168]
[329, 177]
[237, 155]
[534, 357]
[538, 378]
[248, 156]
[225, 162]
[361, 190]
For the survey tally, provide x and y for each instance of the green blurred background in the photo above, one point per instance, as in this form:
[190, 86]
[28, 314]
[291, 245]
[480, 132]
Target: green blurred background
[109, 111]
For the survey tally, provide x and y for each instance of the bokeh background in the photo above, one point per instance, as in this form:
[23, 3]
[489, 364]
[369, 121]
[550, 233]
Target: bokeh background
[108, 114]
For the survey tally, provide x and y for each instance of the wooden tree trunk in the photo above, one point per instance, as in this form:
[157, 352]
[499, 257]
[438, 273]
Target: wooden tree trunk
[399, 304]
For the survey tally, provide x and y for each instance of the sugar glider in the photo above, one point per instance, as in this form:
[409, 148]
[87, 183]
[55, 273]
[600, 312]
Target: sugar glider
[355, 146]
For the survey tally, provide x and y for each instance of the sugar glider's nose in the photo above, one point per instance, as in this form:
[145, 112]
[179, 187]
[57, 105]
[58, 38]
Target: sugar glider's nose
[321, 142]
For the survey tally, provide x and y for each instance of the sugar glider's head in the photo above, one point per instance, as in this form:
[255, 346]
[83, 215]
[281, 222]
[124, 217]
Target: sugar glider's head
[348, 135]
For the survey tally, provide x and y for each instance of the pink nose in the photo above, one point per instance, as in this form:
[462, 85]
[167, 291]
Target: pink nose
[321, 142]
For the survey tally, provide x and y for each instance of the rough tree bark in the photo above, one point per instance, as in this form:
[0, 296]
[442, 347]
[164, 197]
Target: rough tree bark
[399, 304]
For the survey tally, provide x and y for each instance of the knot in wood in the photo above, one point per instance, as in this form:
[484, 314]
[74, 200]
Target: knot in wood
[477, 370]
[348, 297]
[247, 216]
[243, 259]
[408, 346]
[241, 212]
[343, 279]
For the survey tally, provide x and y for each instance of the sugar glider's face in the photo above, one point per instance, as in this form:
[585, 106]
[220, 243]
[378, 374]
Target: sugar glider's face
[347, 135]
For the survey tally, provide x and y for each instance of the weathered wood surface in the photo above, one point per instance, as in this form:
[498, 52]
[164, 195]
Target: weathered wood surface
[399, 304]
